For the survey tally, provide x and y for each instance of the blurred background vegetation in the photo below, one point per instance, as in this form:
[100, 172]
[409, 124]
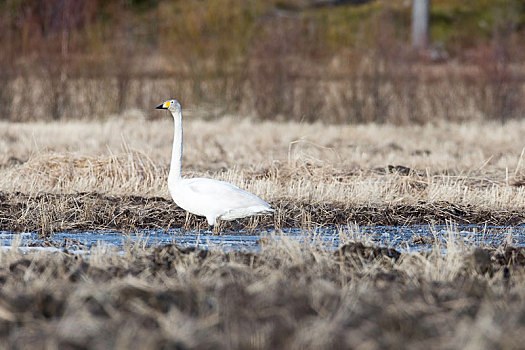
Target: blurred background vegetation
[334, 61]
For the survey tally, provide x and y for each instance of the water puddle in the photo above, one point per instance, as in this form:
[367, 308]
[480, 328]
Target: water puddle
[403, 238]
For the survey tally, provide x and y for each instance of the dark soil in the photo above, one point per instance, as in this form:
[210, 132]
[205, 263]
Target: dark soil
[47, 213]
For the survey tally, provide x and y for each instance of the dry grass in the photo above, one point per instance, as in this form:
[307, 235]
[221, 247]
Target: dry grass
[457, 171]
[289, 295]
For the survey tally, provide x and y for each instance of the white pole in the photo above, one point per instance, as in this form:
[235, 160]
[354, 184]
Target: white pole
[420, 23]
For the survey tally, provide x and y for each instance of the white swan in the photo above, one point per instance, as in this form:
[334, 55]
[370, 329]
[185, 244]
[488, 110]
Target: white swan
[206, 197]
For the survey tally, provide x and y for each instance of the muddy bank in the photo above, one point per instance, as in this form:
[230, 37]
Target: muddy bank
[47, 213]
[296, 297]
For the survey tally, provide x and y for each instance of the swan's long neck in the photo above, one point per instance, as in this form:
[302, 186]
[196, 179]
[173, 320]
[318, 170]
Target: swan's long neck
[176, 153]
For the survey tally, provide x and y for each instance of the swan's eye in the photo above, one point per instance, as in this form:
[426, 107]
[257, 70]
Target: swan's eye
[167, 104]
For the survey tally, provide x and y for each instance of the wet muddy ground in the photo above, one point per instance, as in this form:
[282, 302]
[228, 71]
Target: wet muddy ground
[412, 238]
[48, 213]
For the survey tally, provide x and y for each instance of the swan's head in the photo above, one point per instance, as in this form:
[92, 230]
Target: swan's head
[171, 105]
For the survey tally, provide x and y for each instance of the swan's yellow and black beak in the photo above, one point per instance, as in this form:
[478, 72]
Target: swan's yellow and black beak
[164, 105]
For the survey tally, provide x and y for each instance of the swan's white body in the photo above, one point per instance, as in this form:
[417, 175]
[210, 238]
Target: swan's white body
[207, 197]
[215, 199]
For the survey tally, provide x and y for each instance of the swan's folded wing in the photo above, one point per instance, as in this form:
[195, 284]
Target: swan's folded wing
[223, 193]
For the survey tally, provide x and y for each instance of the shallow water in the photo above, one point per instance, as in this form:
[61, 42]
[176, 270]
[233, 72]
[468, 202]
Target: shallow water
[403, 238]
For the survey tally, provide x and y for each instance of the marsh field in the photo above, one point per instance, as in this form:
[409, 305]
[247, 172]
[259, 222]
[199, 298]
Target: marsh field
[386, 134]
[82, 176]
